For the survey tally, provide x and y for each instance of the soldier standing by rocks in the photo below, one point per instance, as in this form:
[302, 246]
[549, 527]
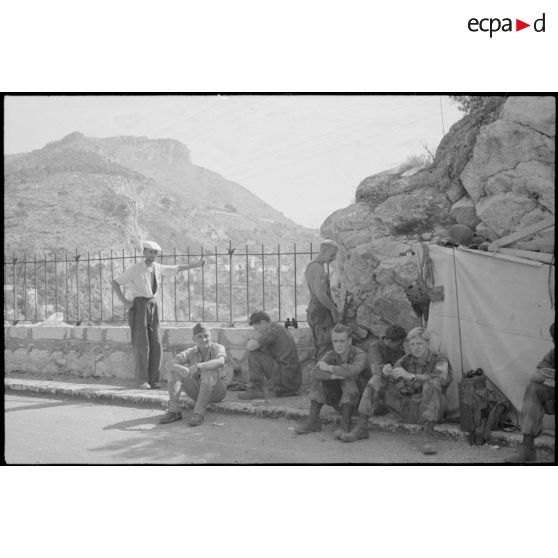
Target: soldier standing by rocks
[142, 281]
[321, 314]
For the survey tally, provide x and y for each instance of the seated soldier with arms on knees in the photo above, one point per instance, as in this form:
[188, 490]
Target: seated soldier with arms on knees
[272, 355]
[539, 399]
[337, 380]
[386, 350]
[414, 388]
[199, 371]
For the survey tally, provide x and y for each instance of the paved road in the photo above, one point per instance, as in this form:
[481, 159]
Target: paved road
[43, 430]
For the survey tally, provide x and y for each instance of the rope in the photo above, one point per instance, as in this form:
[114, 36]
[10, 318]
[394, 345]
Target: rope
[458, 317]
[550, 268]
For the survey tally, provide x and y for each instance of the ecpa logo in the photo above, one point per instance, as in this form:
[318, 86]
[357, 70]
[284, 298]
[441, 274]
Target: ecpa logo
[494, 24]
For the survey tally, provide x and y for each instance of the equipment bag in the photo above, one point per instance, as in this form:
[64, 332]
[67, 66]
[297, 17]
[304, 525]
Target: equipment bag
[474, 406]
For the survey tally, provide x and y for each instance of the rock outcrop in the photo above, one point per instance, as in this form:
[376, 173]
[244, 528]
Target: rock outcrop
[493, 171]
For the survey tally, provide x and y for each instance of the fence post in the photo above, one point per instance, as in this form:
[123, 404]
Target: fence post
[295, 303]
[101, 284]
[55, 284]
[279, 279]
[111, 291]
[67, 295]
[78, 256]
[4, 285]
[216, 286]
[36, 284]
[25, 287]
[188, 273]
[162, 289]
[203, 288]
[14, 260]
[230, 282]
[89, 282]
[123, 270]
[263, 279]
[247, 286]
[175, 279]
[46, 306]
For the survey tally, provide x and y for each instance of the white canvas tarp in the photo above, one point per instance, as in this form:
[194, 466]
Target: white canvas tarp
[504, 306]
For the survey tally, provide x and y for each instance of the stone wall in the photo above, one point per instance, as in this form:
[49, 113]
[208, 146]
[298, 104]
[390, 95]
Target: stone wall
[107, 351]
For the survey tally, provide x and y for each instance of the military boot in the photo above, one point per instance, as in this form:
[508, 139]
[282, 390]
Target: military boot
[526, 452]
[313, 422]
[359, 432]
[346, 414]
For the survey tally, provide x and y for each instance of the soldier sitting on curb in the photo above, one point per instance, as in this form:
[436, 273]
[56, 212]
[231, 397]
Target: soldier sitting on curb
[272, 354]
[200, 372]
[386, 350]
[337, 380]
[539, 399]
[414, 388]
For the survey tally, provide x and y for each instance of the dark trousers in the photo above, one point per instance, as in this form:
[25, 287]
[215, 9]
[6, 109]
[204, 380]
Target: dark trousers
[538, 400]
[262, 366]
[143, 318]
[427, 405]
[321, 323]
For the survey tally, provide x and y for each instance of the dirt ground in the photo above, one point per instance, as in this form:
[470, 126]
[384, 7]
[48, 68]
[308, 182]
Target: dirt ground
[45, 430]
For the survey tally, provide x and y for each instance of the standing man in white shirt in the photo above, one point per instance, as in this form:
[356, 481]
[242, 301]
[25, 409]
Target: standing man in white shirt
[142, 281]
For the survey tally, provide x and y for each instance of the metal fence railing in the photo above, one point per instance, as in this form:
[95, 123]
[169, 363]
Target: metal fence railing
[232, 284]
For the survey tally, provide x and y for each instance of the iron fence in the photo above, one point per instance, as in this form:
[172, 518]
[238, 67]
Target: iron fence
[232, 284]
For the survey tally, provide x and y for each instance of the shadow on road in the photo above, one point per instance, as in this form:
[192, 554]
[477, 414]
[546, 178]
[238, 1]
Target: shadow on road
[131, 425]
[161, 444]
[38, 406]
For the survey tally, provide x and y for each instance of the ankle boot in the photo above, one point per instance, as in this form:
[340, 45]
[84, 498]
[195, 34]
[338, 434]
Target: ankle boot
[346, 414]
[313, 422]
[359, 432]
[526, 452]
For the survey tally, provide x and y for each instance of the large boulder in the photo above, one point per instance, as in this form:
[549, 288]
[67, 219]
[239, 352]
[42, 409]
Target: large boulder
[493, 171]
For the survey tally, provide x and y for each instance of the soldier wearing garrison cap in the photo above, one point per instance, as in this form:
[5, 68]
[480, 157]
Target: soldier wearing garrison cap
[142, 281]
[200, 372]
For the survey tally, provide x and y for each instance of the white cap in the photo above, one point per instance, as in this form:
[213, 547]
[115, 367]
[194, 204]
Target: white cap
[151, 244]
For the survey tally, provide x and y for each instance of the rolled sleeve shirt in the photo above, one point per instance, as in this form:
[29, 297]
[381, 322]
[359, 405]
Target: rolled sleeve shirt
[193, 355]
[138, 278]
[355, 363]
[435, 365]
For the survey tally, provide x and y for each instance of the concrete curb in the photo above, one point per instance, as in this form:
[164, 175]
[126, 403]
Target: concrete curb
[117, 395]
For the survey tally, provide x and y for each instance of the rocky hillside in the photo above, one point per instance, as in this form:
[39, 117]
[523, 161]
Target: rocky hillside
[493, 171]
[99, 194]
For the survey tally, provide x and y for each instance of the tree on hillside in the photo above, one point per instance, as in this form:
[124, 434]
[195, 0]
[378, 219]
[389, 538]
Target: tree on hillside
[468, 103]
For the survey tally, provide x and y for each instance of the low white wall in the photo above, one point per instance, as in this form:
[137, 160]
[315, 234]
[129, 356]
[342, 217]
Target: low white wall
[106, 351]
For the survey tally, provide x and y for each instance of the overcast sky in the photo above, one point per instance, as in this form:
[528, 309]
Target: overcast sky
[304, 155]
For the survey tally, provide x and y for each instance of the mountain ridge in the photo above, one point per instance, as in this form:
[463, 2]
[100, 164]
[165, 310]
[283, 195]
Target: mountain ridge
[104, 193]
